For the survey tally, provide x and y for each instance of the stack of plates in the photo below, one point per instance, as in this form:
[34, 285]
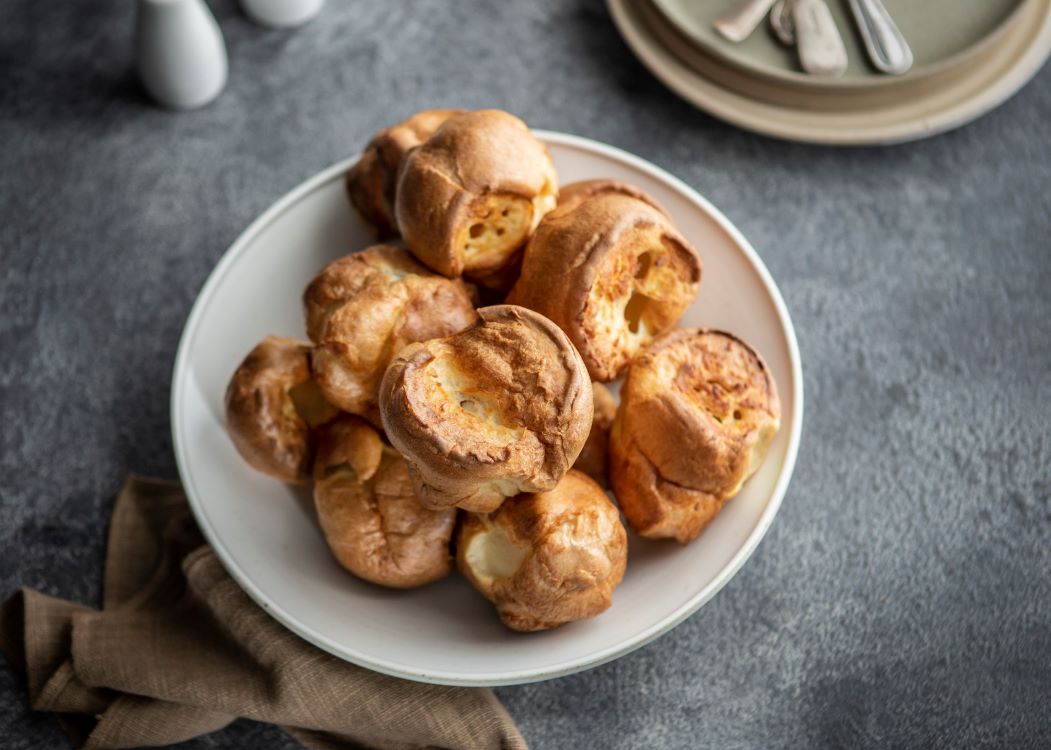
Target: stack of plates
[970, 56]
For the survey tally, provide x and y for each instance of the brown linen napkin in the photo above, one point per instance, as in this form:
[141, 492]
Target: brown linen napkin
[179, 650]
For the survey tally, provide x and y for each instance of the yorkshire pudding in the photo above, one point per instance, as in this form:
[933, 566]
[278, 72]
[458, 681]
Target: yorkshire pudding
[370, 517]
[609, 267]
[500, 408]
[575, 192]
[372, 181]
[593, 457]
[363, 308]
[548, 558]
[469, 197]
[697, 413]
[271, 406]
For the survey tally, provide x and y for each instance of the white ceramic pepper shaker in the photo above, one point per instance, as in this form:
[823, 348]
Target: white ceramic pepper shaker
[180, 52]
[282, 14]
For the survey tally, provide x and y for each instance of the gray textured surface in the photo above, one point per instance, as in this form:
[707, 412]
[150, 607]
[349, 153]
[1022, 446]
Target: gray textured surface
[903, 595]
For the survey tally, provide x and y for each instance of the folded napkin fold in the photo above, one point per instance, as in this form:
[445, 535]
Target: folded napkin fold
[179, 650]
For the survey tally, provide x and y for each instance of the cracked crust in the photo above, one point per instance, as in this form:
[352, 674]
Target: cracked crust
[372, 182]
[500, 408]
[469, 198]
[271, 405]
[368, 512]
[698, 411]
[547, 558]
[608, 267]
[362, 309]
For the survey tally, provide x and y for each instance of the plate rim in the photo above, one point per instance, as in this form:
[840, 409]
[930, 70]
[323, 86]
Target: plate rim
[181, 371]
[674, 16]
[806, 126]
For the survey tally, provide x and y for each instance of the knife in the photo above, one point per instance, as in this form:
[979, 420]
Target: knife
[820, 47]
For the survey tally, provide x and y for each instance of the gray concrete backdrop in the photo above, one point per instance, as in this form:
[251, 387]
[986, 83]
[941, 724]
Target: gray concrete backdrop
[903, 595]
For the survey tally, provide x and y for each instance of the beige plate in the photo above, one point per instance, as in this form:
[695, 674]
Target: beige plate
[941, 33]
[879, 115]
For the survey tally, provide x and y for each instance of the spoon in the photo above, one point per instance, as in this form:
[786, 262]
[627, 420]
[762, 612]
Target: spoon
[884, 42]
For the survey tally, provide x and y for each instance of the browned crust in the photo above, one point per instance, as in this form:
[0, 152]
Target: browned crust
[372, 182]
[362, 309]
[593, 458]
[514, 364]
[346, 277]
[697, 410]
[368, 512]
[576, 192]
[348, 443]
[575, 554]
[590, 243]
[261, 417]
[471, 156]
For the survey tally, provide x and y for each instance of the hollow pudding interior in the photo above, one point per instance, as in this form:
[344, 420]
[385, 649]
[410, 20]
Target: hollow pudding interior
[640, 290]
[500, 225]
[610, 268]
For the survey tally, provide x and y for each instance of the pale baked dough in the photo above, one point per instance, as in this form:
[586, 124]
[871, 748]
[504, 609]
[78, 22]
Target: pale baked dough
[547, 558]
[698, 411]
[500, 408]
[610, 268]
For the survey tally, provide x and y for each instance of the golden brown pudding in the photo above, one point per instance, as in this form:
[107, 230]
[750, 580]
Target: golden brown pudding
[362, 309]
[373, 180]
[369, 514]
[271, 406]
[469, 198]
[500, 408]
[608, 267]
[698, 411]
[547, 558]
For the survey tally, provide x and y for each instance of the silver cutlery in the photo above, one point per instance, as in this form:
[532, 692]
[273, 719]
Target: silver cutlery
[741, 20]
[884, 42]
[781, 22]
[805, 24]
[820, 47]
[808, 25]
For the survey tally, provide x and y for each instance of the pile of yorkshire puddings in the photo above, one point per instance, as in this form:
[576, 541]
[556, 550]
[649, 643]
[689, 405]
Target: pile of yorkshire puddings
[435, 428]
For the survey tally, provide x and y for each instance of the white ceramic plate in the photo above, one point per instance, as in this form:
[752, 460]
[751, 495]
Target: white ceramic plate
[264, 531]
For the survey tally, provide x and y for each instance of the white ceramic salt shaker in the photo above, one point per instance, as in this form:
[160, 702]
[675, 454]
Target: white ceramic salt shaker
[181, 54]
[282, 14]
